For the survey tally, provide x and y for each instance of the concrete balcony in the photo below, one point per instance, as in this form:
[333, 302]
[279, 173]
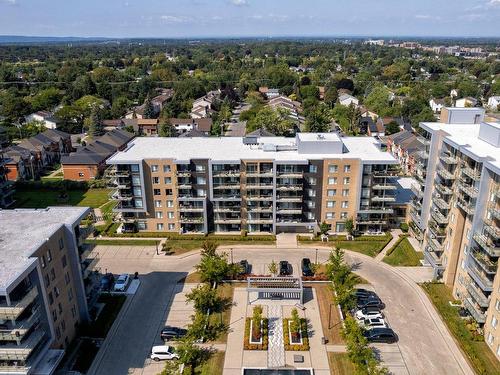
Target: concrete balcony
[231, 173]
[424, 141]
[227, 221]
[472, 173]
[478, 295]
[183, 174]
[227, 209]
[260, 174]
[20, 329]
[415, 216]
[492, 229]
[291, 174]
[376, 210]
[387, 198]
[484, 262]
[260, 209]
[445, 174]
[259, 221]
[441, 203]
[466, 206]
[494, 211]
[436, 231]
[185, 185]
[21, 352]
[480, 278]
[417, 191]
[268, 186]
[468, 189]
[435, 244]
[289, 199]
[433, 259]
[266, 198]
[439, 217]
[289, 211]
[193, 220]
[289, 188]
[442, 189]
[12, 312]
[448, 159]
[422, 156]
[474, 310]
[489, 246]
[384, 187]
[190, 209]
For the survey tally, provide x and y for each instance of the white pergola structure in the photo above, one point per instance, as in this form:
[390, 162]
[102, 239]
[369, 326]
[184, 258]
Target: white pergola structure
[275, 288]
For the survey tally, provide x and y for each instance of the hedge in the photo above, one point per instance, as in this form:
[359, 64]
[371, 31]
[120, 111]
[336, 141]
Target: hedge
[197, 237]
[305, 338]
[246, 336]
[335, 238]
[60, 185]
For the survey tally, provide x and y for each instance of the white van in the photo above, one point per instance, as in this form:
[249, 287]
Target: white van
[163, 352]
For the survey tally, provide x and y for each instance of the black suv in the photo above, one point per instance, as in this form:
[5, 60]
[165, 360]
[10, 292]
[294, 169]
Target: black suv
[285, 268]
[244, 267]
[306, 267]
[372, 301]
[385, 335]
[172, 333]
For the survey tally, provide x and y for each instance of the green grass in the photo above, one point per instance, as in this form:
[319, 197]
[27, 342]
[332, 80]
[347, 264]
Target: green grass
[213, 366]
[478, 353]
[370, 248]
[403, 254]
[224, 291]
[107, 208]
[340, 364]
[42, 198]
[100, 327]
[123, 242]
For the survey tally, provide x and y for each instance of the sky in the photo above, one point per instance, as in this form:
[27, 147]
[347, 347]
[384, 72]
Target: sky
[235, 18]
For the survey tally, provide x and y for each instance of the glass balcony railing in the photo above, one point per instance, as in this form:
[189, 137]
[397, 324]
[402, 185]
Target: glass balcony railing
[478, 295]
[466, 206]
[16, 309]
[483, 261]
[474, 310]
[445, 174]
[489, 246]
[480, 278]
[475, 174]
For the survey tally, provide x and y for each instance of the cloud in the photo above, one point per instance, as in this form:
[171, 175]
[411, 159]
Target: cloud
[239, 3]
[10, 2]
[494, 2]
[166, 18]
[427, 17]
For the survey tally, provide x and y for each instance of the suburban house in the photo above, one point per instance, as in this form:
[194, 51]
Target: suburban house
[494, 102]
[19, 164]
[466, 102]
[202, 107]
[161, 100]
[112, 124]
[145, 126]
[365, 112]
[183, 125]
[269, 93]
[293, 107]
[365, 122]
[45, 117]
[347, 99]
[404, 145]
[377, 129]
[89, 161]
[437, 105]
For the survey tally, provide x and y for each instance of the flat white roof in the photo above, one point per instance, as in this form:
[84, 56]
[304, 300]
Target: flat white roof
[466, 138]
[23, 231]
[233, 149]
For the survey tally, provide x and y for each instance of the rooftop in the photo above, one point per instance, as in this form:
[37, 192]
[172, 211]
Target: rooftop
[18, 245]
[306, 146]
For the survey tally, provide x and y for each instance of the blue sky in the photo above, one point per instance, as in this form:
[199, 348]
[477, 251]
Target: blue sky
[207, 18]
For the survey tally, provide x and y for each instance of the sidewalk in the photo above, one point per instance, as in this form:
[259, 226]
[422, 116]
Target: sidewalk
[395, 237]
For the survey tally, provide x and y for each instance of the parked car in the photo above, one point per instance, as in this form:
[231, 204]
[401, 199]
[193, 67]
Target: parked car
[106, 282]
[285, 268]
[364, 293]
[385, 335]
[172, 333]
[121, 283]
[244, 267]
[370, 302]
[371, 323]
[368, 313]
[163, 352]
[306, 267]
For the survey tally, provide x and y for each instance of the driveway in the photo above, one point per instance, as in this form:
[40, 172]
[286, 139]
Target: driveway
[424, 347]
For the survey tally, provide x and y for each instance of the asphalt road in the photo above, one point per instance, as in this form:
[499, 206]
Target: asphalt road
[424, 347]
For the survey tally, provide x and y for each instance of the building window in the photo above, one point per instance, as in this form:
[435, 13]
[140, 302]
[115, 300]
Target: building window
[330, 204]
[59, 306]
[331, 192]
[156, 191]
[468, 234]
[330, 215]
[345, 192]
[200, 168]
[463, 264]
[490, 339]
[52, 274]
[73, 311]
[170, 203]
[311, 192]
[61, 243]
[54, 315]
[154, 168]
[343, 215]
[494, 321]
[201, 192]
[347, 168]
[51, 298]
[167, 180]
[167, 169]
[138, 203]
[312, 180]
[498, 350]
[310, 216]
[81, 174]
[70, 294]
[171, 226]
[56, 291]
[63, 325]
[170, 214]
[332, 180]
[58, 332]
[201, 180]
[64, 261]
[49, 256]
[156, 180]
[47, 280]
[347, 180]
[333, 168]
[168, 191]
[157, 204]
[497, 304]
[43, 261]
[340, 227]
[159, 226]
[311, 204]
[345, 204]
[141, 225]
[159, 215]
[134, 167]
[313, 169]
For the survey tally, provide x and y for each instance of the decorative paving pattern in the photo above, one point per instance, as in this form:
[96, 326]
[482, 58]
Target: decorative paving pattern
[276, 347]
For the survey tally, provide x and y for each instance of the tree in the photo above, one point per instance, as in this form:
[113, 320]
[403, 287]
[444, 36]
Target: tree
[391, 128]
[215, 267]
[353, 116]
[275, 121]
[149, 111]
[273, 268]
[378, 100]
[119, 107]
[202, 328]
[204, 297]
[331, 96]
[256, 321]
[349, 226]
[209, 248]
[166, 129]
[324, 228]
[190, 354]
[318, 121]
[94, 124]
[46, 99]
[33, 128]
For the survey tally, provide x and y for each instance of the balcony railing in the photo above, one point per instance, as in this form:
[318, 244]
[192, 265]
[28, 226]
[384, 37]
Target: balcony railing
[259, 221]
[433, 259]
[439, 217]
[191, 219]
[435, 244]
[443, 190]
[268, 173]
[424, 141]
[259, 209]
[472, 173]
[436, 231]
[290, 174]
[487, 244]
[445, 174]
[289, 211]
[289, 188]
[376, 210]
[466, 206]
[491, 229]
[478, 295]
[288, 199]
[20, 329]
[190, 209]
[448, 159]
[482, 260]
[480, 278]
[266, 198]
[183, 173]
[16, 309]
[441, 203]
[222, 186]
[417, 191]
[21, 352]
[227, 209]
[231, 173]
[387, 198]
[476, 313]
[227, 221]
[494, 211]
[471, 191]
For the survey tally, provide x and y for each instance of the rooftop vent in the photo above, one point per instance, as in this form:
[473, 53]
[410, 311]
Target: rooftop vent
[250, 140]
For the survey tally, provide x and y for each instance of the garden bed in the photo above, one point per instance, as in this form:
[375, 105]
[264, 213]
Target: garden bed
[286, 336]
[246, 339]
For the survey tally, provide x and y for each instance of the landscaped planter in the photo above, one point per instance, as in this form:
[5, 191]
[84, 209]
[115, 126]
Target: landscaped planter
[294, 337]
[304, 339]
[251, 345]
[256, 340]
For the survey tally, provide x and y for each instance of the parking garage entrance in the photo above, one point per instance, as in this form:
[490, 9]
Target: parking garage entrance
[274, 288]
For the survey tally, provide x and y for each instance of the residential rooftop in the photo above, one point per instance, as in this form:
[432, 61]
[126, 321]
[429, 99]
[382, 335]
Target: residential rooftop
[23, 231]
[467, 138]
[305, 146]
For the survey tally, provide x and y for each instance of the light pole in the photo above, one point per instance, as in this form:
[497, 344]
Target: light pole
[232, 256]
[316, 256]
[157, 253]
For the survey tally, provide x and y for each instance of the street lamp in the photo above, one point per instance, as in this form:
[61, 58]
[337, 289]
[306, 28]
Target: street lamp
[316, 256]
[232, 255]
[157, 253]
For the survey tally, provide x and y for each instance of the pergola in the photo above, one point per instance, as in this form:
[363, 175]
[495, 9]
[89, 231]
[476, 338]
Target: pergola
[275, 288]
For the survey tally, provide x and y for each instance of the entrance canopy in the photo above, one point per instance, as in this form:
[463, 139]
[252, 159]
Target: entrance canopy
[276, 288]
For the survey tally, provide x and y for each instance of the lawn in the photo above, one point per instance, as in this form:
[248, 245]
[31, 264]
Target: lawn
[213, 366]
[403, 254]
[368, 247]
[481, 358]
[192, 278]
[340, 364]
[330, 317]
[124, 242]
[42, 198]
[224, 290]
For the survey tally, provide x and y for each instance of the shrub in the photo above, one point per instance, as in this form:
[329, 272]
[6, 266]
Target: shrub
[246, 337]
[305, 338]
[404, 227]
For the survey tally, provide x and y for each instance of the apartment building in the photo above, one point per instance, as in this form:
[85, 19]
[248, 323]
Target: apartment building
[42, 298]
[457, 211]
[253, 184]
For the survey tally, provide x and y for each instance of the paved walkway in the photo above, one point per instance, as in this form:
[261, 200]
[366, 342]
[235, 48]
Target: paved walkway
[286, 240]
[395, 237]
[276, 348]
